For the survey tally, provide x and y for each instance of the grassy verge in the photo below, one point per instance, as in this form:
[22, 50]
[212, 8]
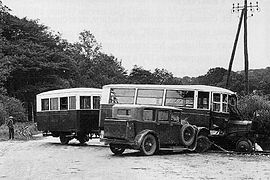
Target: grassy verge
[22, 131]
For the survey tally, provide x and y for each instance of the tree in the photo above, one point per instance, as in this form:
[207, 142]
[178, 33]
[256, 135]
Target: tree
[102, 70]
[139, 75]
[32, 59]
[162, 76]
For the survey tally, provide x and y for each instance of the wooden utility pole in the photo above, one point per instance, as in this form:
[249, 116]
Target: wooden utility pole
[244, 14]
[246, 48]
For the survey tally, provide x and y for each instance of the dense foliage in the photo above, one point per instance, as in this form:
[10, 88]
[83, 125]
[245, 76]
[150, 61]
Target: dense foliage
[34, 60]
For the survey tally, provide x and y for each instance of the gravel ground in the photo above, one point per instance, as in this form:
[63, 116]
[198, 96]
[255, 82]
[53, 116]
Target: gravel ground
[46, 158]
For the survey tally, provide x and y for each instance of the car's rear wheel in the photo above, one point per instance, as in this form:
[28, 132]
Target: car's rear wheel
[117, 149]
[149, 145]
[187, 134]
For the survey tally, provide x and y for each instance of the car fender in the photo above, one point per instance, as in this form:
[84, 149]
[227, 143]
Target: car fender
[203, 131]
[139, 137]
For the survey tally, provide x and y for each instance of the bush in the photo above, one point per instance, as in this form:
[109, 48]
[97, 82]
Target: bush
[10, 106]
[257, 108]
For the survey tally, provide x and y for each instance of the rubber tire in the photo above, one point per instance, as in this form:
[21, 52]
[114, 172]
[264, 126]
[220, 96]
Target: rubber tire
[203, 144]
[149, 145]
[117, 149]
[64, 140]
[83, 139]
[187, 128]
[243, 145]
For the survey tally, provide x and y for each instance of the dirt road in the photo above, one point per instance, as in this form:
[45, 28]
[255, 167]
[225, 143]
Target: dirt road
[45, 158]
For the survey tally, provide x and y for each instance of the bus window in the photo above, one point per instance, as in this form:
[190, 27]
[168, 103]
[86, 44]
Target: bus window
[175, 117]
[148, 115]
[85, 102]
[63, 103]
[203, 100]
[72, 102]
[216, 102]
[54, 104]
[163, 115]
[179, 98]
[122, 96]
[150, 97]
[224, 103]
[44, 104]
[96, 102]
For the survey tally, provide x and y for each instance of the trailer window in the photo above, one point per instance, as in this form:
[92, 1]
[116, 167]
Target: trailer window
[85, 102]
[122, 96]
[96, 102]
[148, 115]
[179, 98]
[54, 104]
[72, 102]
[44, 104]
[149, 97]
[203, 100]
[216, 102]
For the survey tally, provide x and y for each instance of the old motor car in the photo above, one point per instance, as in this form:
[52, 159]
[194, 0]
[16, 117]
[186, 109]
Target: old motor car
[148, 129]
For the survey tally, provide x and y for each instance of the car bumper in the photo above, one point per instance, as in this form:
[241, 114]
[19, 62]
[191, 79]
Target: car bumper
[132, 144]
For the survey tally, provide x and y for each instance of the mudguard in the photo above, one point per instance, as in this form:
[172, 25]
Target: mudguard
[139, 137]
[203, 131]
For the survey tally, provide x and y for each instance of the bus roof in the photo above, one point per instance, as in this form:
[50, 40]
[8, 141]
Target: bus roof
[180, 87]
[71, 91]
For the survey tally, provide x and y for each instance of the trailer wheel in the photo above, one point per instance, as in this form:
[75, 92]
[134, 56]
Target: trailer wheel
[64, 140]
[149, 145]
[117, 149]
[244, 145]
[203, 144]
[187, 134]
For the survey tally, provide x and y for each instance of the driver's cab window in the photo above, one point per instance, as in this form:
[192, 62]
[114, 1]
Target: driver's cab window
[163, 116]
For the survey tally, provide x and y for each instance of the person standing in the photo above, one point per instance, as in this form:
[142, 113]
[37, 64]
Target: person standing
[10, 125]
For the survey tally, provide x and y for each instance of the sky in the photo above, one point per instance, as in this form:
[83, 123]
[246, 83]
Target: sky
[185, 37]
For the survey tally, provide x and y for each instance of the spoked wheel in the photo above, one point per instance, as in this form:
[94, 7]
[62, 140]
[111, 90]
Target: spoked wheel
[187, 134]
[64, 139]
[83, 139]
[244, 145]
[203, 144]
[149, 145]
[117, 149]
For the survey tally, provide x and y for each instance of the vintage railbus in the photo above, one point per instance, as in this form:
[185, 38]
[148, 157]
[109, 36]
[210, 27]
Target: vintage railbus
[212, 109]
[69, 113]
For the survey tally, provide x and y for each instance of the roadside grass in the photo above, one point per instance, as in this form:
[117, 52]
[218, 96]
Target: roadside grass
[22, 131]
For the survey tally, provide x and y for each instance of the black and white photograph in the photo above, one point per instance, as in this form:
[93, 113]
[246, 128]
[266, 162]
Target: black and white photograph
[134, 90]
